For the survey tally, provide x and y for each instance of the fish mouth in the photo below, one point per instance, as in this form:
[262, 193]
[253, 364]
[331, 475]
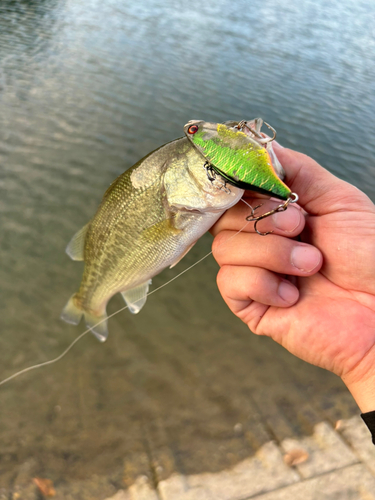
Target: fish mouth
[190, 210]
[197, 211]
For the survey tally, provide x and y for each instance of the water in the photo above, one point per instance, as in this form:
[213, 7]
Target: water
[86, 89]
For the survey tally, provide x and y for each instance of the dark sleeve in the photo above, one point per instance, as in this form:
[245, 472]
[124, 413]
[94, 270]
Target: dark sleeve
[369, 420]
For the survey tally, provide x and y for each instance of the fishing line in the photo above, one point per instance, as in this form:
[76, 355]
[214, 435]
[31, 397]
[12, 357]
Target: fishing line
[55, 360]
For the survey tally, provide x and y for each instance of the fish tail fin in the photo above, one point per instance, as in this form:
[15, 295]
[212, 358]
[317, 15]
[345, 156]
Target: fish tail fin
[98, 325]
[72, 314]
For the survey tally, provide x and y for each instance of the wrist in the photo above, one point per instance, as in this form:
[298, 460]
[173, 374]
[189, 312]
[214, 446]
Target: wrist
[363, 390]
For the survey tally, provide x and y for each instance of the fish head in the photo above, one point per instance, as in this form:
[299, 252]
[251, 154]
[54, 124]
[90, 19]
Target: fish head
[189, 187]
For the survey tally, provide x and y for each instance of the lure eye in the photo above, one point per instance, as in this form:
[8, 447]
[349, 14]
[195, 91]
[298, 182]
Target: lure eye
[193, 129]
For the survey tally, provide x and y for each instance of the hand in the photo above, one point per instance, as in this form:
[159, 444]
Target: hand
[315, 296]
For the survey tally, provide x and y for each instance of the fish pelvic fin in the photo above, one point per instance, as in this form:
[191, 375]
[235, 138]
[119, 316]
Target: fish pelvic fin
[136, 297]
[98, 325]
[76, 246]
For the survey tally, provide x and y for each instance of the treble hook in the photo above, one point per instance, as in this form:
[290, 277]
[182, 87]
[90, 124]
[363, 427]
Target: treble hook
[293, 198]
[268, 139]
[243, 124]
[260, 138]
[212, 177]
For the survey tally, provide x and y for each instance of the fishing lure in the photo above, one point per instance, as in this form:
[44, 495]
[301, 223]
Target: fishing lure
[241, 155]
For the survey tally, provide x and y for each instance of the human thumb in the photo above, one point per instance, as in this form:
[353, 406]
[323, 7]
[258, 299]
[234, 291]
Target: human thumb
[319, 191]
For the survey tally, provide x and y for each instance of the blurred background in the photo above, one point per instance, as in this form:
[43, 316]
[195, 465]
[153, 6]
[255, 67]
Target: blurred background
[86, 89]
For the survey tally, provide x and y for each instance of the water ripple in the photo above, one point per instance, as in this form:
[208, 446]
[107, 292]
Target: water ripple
[89, 87]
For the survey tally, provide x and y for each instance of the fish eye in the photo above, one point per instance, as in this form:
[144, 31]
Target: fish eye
[193, 129]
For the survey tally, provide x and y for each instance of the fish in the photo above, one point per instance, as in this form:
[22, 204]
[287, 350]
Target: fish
[240, 154]
[153, 214]
[149, 219]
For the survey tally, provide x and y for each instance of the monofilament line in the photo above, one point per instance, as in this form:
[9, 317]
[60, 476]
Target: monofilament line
[55, 360]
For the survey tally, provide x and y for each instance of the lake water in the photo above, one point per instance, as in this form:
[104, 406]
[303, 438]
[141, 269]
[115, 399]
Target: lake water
[86, 89]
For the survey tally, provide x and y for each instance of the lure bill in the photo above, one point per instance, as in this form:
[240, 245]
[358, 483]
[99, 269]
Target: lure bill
[240, 154]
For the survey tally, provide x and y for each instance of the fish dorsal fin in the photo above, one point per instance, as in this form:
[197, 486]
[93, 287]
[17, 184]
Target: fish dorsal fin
[136, 297]
[76, 246]
[180, 257]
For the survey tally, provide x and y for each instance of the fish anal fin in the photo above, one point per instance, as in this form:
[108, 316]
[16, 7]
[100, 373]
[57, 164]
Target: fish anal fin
[76, 246]
[136, 297]
[180, 257]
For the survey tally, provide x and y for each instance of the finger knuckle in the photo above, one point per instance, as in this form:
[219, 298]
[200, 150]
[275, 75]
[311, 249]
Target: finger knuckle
[224, 278]
[217, 245]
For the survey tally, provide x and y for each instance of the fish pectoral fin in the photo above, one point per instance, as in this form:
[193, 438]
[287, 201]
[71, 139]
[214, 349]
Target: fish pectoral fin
[182, 255]
[160, 230]
[136, 297]
[76, 246]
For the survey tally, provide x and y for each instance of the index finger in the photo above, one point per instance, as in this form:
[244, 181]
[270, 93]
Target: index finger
[319, 191]
[289, 223]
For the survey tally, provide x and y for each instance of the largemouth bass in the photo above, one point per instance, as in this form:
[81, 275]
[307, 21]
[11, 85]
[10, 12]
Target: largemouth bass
[149, 218]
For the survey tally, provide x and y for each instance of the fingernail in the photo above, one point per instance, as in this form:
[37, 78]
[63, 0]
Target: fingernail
[287, 221]
[305, 258]
[277, 144]
[288, 292]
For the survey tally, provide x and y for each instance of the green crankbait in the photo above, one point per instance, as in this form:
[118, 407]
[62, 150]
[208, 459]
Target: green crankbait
[242, 159]
[241, 155]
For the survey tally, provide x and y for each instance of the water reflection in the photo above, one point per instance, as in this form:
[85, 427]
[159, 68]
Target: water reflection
[87, 88]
